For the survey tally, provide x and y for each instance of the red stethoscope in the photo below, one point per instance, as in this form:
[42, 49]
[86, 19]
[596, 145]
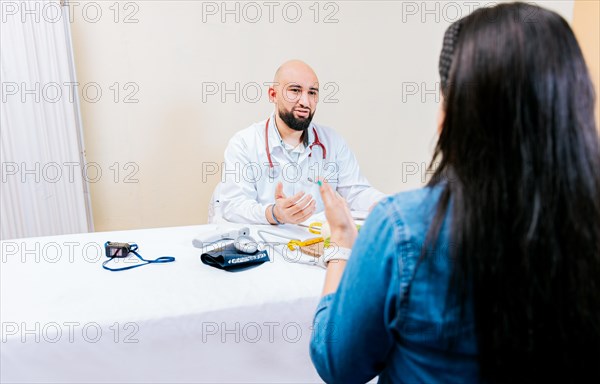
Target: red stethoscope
[315, 142]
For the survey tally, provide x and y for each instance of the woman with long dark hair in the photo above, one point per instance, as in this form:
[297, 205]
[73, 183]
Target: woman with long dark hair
[492, 272]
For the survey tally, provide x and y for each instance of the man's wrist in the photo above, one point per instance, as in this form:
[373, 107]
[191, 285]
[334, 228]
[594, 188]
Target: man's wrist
[269, 215]
[275, 219]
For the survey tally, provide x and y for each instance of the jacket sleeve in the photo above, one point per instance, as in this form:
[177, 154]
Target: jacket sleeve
[351, 341]
[238, 195]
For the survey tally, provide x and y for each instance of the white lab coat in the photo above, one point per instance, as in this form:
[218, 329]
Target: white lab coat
[248, 182]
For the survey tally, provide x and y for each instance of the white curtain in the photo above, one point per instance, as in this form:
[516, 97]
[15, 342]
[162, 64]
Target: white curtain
[43, 188]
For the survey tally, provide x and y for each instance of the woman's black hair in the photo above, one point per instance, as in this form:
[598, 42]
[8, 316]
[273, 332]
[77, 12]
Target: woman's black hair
[518, 162]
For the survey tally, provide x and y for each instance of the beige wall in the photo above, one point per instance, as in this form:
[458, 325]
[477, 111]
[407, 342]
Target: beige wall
[370, 62]
[586, 23]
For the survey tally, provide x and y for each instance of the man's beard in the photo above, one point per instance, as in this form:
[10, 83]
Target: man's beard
[296, 124]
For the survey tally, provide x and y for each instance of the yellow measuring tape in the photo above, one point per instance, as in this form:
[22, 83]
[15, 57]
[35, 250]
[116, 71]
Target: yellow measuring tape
[297, 243]
[315, 227]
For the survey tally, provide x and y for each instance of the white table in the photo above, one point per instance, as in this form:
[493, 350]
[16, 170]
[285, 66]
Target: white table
[65, 319]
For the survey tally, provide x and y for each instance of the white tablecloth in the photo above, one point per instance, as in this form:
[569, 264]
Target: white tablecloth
[65, 319]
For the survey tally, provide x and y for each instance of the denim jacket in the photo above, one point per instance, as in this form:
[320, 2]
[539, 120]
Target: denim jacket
[389, 316]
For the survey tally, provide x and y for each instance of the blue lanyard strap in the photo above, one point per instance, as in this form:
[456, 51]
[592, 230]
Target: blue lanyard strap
[133, 249]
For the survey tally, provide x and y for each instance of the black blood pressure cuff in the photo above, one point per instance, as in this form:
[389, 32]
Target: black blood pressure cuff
[232, 260]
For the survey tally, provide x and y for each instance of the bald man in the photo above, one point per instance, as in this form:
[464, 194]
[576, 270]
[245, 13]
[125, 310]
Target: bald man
[272, 167]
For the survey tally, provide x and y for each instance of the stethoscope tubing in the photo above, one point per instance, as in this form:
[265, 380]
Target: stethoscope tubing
[316, 142]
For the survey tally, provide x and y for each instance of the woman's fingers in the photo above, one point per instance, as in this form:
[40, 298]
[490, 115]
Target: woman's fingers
[327, 194]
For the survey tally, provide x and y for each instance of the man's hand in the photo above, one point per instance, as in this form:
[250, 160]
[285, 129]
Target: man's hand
[339, 218]
[295, 209]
